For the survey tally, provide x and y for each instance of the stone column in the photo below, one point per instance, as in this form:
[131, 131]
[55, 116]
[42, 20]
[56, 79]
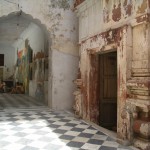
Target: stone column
[139, 86]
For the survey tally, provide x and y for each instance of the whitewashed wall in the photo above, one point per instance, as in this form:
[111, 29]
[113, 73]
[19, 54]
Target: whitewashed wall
[61, 23]
[35, 36]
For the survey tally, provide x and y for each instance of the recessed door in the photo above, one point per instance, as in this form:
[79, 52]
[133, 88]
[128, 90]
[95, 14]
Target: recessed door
[108, 90]
[1, 59]
[1, 73]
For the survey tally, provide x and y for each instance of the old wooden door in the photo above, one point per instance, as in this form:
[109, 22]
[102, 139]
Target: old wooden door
[108, 90]
[1, 59]
[1, 66]
[1, 73]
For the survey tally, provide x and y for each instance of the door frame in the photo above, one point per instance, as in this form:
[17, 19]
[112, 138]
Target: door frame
[121, 40]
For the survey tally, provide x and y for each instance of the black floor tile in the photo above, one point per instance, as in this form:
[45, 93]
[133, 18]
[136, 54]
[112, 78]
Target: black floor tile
[59, 131]
[107, 148]
[95, 141]
[77, 129]
[66, 137]
[87, 135]
[75, 144]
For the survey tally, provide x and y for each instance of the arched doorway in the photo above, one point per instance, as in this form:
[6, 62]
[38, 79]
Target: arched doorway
[25, 43]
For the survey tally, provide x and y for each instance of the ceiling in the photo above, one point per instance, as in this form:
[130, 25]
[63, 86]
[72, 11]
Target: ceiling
[11, 28]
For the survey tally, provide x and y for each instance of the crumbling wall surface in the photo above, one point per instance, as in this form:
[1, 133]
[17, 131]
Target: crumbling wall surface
[89, 89]
[122, 10]
[100, 16]
[133, 110]
[140, 65]
[61, 26]
[124, 26]
[106, 41]
[138, 85]
[94, 88]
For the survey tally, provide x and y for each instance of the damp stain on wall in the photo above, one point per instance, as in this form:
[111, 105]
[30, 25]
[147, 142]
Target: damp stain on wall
[128, 7]
[116, 12]
[62, 4]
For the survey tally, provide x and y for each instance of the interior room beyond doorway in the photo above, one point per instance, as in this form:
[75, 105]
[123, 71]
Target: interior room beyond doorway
[108, 90]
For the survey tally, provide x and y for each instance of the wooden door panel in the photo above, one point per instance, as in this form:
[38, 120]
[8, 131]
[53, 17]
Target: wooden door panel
[108, 119]
[1, 59]
[108, 90]
[1, 73]
[110, 64]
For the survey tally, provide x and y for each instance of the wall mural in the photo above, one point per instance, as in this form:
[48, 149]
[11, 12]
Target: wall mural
[23, 67]
[31, 66]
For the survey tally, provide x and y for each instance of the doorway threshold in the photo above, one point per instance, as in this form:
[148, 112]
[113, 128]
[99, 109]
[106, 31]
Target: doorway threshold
[107, 132]
[110, 133]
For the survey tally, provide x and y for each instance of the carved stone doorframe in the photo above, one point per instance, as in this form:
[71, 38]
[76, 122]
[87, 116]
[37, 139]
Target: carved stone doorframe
[121, 40]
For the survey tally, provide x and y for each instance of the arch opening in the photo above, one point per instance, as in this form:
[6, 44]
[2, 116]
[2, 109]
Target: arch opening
[25, 44]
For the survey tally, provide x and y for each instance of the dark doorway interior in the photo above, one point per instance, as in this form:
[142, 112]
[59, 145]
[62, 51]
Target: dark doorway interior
[108, 90]
[1, 59]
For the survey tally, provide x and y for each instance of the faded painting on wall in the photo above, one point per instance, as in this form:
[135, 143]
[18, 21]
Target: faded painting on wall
[23, 68]
[46, 69]
[33, 67]
[22, 64]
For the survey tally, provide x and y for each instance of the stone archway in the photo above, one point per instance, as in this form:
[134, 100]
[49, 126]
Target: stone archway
[45, 56]
[64, 58]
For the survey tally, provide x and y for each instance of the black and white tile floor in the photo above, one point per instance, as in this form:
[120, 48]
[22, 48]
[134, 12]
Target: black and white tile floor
[18, 101]
[39, 128]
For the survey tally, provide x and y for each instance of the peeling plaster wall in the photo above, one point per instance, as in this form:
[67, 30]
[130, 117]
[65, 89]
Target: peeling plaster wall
[100, 44]
[98, 16]
[61, 23]
[141, 56]
[124, 26]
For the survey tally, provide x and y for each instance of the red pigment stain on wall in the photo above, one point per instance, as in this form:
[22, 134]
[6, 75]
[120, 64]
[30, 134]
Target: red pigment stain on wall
[136, 126]
[107, 1]
[149, 3]
[116, 13]
[85, 98]
[93, 89]
[78, 2]
[128, 7]
[142, 18]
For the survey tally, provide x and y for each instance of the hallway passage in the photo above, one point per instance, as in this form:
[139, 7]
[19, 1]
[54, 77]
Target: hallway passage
[18, 101]
[39, 128]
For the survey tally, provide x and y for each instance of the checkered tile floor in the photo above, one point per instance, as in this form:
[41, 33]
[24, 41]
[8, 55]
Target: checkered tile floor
[40, 128]
[18, 101]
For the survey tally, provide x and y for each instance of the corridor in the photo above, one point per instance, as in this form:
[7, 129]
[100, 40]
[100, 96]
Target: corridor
[26, 124]
[18, 101]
